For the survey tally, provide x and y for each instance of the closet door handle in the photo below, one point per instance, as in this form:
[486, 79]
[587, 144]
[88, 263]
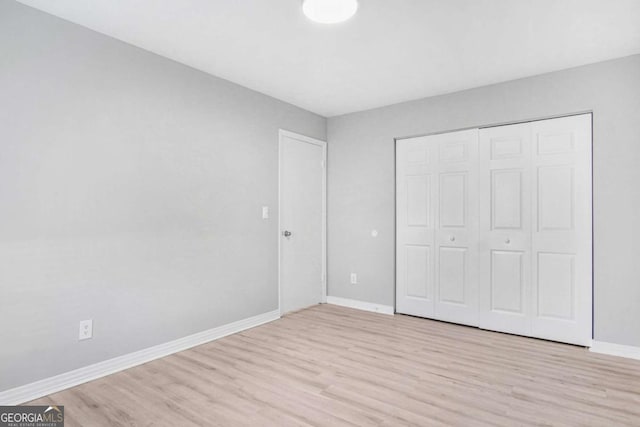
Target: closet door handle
[507, 241]
[452, 238]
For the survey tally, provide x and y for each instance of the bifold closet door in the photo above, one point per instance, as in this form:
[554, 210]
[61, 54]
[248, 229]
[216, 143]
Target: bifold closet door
[493, 228]
[437, 227]
[505, 228]
[562, 229]
[415, 226]
[535, 229]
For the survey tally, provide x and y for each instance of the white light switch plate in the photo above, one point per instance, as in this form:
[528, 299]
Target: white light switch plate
[86, 329]
[265, 212]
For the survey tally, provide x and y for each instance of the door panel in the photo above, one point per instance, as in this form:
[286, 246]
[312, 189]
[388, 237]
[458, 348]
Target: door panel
[453, 200]
[505, 229]
[505, 147]
[454, 151]
[507, 282]
[456, 298]
[556, 198]
[436, 254]
[455, 236]
[452, 280]
[506, 199]
[561, 240]
[418, 193]
[301, 214]
[414, 227]
[418, 268]
[535, 207]
[554, 141]
[556, 285]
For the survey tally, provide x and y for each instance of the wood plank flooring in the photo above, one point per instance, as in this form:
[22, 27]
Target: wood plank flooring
[329, 366]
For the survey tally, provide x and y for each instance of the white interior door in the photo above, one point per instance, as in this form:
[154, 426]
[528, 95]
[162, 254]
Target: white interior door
[562, 229]
[505, 228]
[302, 221]
[415, 226]
[436, 227]
[497, 233]
[535, 229]
[456, 233]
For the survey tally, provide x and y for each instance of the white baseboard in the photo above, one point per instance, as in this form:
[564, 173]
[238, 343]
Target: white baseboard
[361, 305]
[73, 378]
[628, 351]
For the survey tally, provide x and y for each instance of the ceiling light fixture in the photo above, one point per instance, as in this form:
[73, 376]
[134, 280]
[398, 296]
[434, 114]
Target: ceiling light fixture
[329, 11]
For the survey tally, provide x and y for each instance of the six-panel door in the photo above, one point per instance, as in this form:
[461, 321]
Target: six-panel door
[526, 267]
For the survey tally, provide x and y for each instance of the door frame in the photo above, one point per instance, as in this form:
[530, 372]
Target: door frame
[323, 144]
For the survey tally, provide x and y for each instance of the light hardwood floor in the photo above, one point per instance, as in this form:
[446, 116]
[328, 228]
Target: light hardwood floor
[330, 365]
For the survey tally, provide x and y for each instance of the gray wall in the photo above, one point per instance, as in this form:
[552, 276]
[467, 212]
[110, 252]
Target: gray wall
[361, 179]
[130, 193]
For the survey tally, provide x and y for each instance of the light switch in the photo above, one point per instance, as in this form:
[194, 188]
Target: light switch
[265, 212]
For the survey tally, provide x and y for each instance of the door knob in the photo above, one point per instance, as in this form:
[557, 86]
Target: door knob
[452, 238]
[286, 233]
[507, 241]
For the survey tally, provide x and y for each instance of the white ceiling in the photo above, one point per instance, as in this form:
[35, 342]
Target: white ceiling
[391, 51]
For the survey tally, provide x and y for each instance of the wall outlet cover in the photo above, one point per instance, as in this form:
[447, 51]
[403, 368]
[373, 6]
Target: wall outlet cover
[86, 329]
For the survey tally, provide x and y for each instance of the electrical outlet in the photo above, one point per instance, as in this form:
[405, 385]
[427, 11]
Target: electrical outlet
[86, 329]
[354, 278]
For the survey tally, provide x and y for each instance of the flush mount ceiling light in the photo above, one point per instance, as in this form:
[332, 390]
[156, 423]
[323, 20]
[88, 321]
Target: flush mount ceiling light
[329, 11]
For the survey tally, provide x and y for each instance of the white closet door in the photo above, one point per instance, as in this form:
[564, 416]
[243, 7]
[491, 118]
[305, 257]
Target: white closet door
[535, 229]
[494, 228]
[437, 227]
[562, 229]
[456, 227]
[415, 176]
[505, 229]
